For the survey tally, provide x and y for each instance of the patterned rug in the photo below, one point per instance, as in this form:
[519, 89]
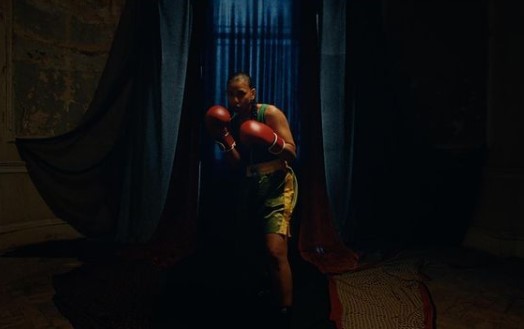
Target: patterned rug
[388, 295]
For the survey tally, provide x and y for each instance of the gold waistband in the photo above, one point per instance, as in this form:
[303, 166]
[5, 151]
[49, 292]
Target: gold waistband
[265, 168]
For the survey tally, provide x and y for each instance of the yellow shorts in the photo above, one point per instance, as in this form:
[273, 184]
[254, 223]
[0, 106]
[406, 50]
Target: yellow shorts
[269, 197]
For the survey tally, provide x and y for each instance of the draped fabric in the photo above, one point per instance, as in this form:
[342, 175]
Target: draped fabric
[325, 139]
[337, 113]
[110, 176]
[154, 130]
[131, 169]
[279, 45]
[379, 179]
[260, 38]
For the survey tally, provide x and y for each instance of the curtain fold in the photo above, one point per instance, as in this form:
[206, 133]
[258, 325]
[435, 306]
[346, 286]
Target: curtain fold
[132, 164]
[258, 37]
[109, 177]
[336, 113]
[323, 123]
[152, 137]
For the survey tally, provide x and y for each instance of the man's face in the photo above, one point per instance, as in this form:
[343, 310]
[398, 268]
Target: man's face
[239, 95]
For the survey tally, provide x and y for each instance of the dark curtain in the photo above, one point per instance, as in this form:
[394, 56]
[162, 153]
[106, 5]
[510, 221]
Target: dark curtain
[261, 38]
[381, 195]
[140, 142]
[337, 113]
[295, 68]
[110, 176]
[258, 37]
[326, 138]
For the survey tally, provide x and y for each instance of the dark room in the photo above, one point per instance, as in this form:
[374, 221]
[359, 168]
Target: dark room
[276, 164]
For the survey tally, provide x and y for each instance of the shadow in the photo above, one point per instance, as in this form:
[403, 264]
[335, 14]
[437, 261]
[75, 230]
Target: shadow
[82, 249]
[112, 289]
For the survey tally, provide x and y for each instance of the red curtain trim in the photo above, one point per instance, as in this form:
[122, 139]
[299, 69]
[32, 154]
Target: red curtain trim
[337, 310]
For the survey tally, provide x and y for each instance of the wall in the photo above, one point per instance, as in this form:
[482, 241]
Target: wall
[454, 68]
[53, 54]
[421, 129]
[498, 226]
[456, 72]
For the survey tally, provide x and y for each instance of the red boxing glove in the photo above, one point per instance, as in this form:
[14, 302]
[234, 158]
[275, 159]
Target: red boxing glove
[254, 132]
[217, 120]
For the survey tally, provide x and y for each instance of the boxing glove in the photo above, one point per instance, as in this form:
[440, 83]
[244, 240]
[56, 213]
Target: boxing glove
[254, 132]
[217, 121]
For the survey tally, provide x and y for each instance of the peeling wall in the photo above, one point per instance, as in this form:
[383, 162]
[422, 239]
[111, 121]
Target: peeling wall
[59, 50]
[52, 54]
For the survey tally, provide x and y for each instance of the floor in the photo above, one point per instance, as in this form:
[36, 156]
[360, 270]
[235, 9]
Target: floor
[78, 284]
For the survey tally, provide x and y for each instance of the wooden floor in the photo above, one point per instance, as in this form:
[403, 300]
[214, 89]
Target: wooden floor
[26, 291]
[45, 286]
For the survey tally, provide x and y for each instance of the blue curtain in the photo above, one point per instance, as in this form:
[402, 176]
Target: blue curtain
[109, 177]
[337, 113]
[326, 138]
[150, 148]
[258, 37]
[113, 173]
[296, 53]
